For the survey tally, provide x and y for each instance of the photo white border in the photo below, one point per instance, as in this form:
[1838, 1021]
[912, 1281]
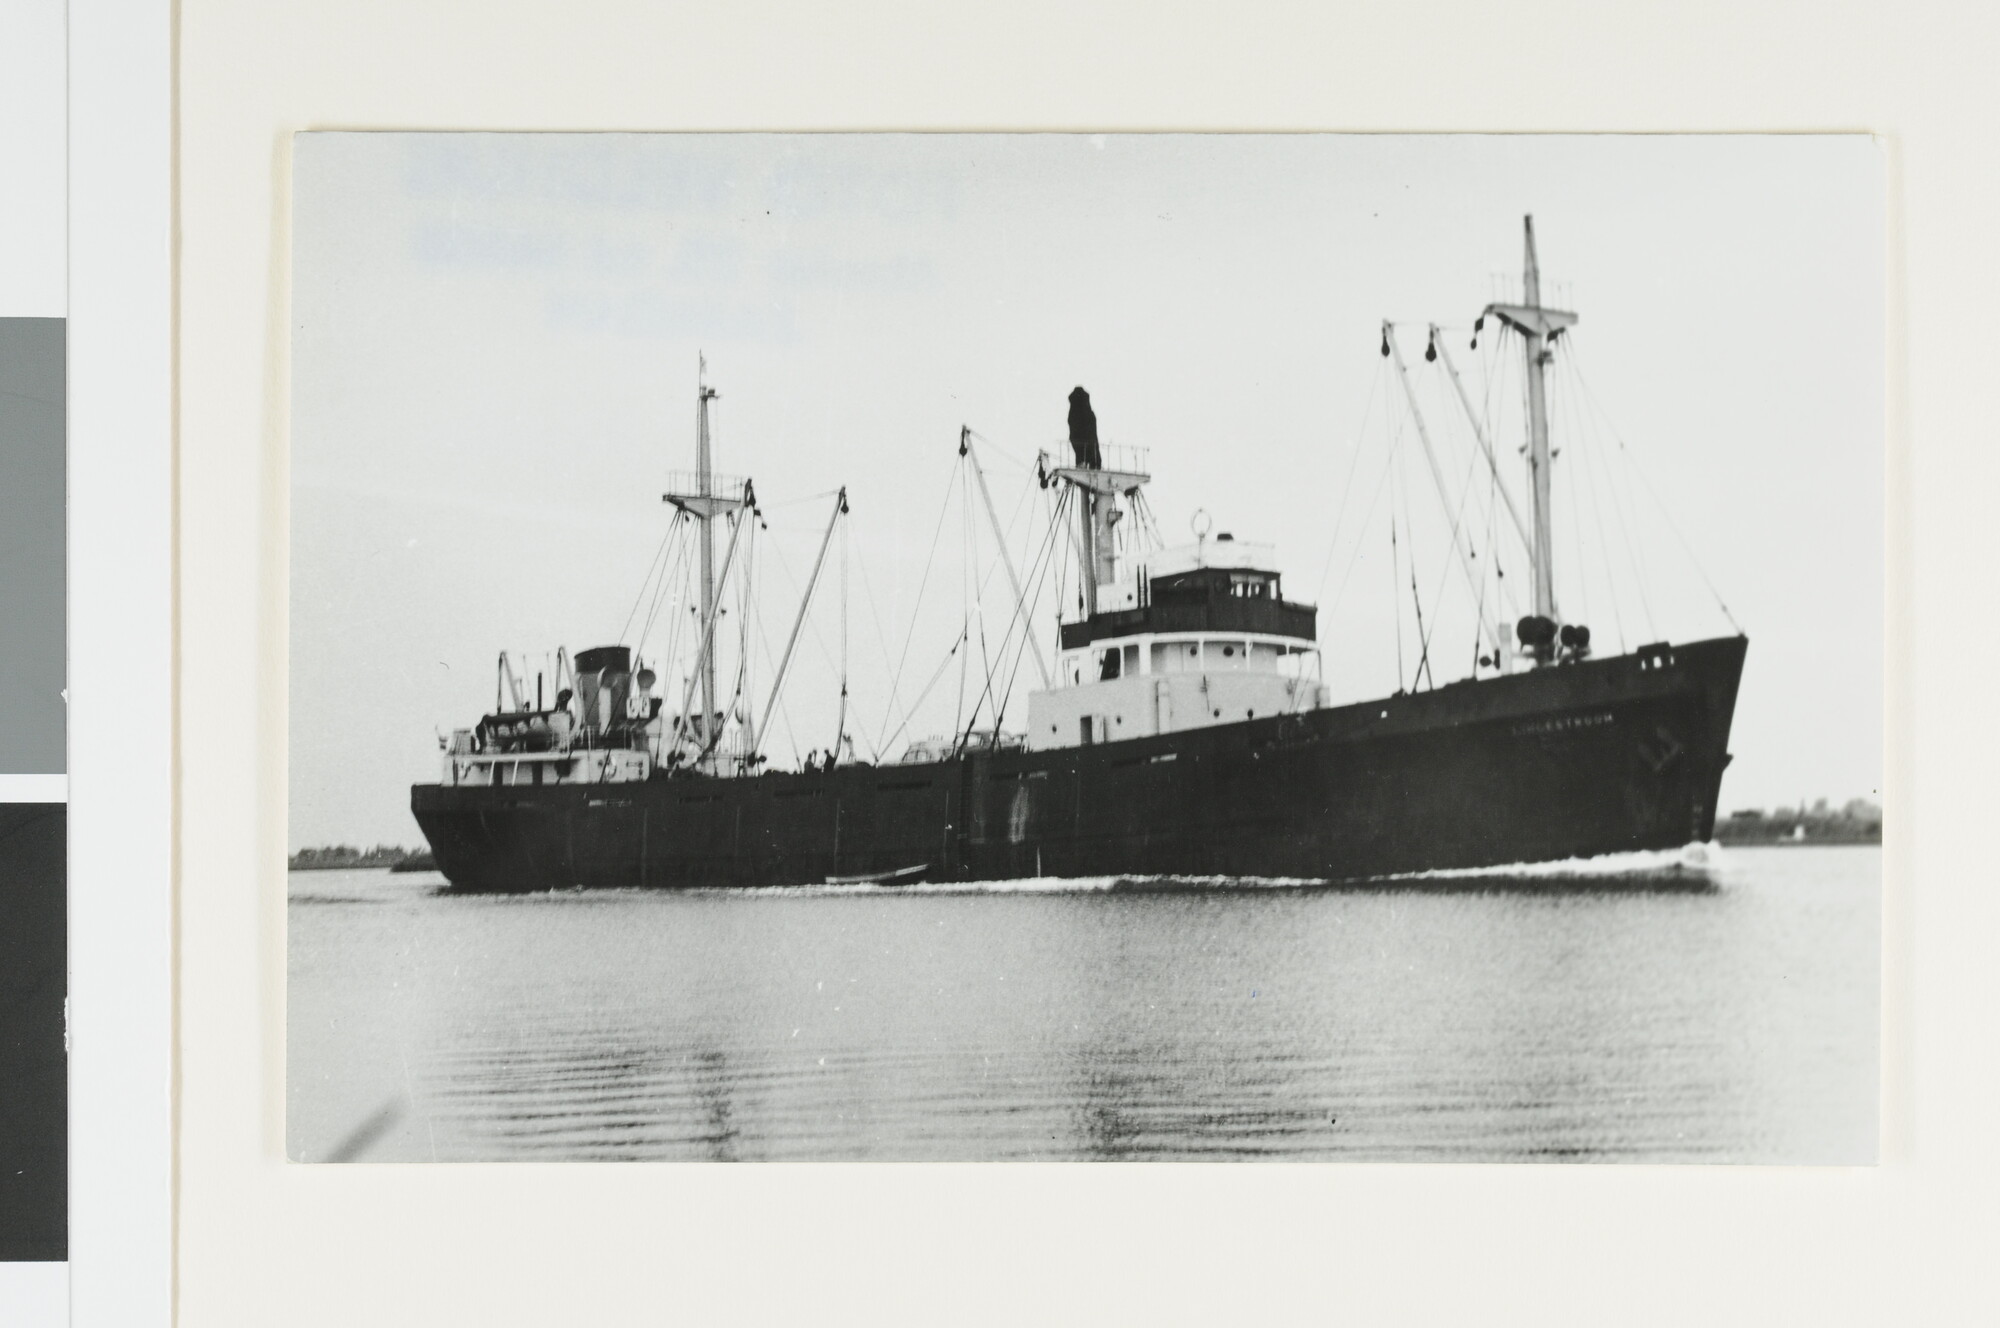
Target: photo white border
[121, 663]
[508, 1244]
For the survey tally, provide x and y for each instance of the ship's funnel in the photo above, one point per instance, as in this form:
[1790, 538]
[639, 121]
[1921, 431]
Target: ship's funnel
[1083, 431]
[603, 681]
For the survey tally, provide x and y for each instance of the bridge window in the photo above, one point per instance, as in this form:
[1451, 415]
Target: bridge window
[1252, 585]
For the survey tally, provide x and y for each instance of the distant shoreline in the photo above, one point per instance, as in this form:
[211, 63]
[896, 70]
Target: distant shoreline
[347, 858]
[1782, 829]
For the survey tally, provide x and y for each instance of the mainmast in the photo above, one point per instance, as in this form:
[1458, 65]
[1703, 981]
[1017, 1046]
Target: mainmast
[704, 504]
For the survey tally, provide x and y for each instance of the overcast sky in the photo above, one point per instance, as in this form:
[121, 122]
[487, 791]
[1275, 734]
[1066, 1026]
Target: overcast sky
[495, 340]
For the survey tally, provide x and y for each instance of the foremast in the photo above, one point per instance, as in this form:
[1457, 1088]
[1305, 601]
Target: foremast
[1539, 327]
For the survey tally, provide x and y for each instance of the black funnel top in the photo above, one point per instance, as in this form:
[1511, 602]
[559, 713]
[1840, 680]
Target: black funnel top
[1083, 431]
[616, 659]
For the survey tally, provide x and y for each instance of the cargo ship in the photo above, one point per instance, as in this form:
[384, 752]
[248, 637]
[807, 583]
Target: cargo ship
[1181, 729]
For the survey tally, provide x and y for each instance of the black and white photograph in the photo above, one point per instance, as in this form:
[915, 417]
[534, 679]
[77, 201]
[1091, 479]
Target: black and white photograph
[1049, 647]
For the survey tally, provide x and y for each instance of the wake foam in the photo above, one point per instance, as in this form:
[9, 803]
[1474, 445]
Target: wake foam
[1035, 885]
[1694, 866]
[1698, 860]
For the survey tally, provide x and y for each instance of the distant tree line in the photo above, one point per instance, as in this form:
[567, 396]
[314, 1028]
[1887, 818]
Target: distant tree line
[1857, 822]
[348, 857]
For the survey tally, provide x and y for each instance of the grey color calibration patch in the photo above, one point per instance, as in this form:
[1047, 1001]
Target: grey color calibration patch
[32, 494]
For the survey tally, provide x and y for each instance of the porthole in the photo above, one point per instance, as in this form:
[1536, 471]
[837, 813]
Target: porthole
[1228, 651]
[1218, 714]
[1249, 714]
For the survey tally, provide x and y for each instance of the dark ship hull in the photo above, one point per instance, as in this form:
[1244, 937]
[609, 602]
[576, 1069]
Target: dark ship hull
[1592, 757]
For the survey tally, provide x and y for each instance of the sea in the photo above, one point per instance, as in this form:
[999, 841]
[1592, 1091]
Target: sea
[1710, 1005]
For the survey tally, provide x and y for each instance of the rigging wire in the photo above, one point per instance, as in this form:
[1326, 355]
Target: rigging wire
[1149, 523]
[985, 657]
[1064, 548]
[714, 736]
[1382, 485]
[1416, 598]
[881, 637]
[1021, 653]
[658, 555]
[1666, 513]
[1444, 574]
[964, 588]
[1463, 555]
[668, 576]
[740, 704]
[735, 700]
[1005, 452]
[1527, 444]
[1504, 383]
[1476, 580]
[791, 735]
[1494, 363]
[1023, 614]
[1005, 543]
[979, 583]
[684, 595]
[1479, 610]
[1045, 552]
[819, 497]
[943, 664]
[1423, 636]
[1594, 462]
[1570, 475]
[826, 653]
[1347, 486]
[896, 680]
[1625, 531]
[1395, 585]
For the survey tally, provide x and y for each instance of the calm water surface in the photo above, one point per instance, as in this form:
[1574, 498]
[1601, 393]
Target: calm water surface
[1636, 1009]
